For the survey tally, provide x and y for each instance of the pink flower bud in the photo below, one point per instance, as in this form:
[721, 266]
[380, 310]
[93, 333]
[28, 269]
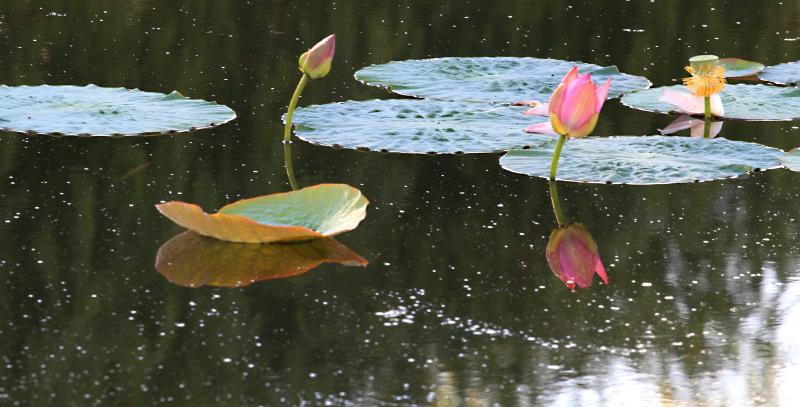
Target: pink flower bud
[575, 104]
[316, 62]
[572, 255]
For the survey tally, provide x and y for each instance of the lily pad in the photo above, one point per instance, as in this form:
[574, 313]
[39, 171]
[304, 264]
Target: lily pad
[740, 68]
[192, 260]
[95, 111]
[416, 126]
[791, 160]
[308, 213]
[488, 79]
[645, 160]
[741, 101]
[782, 74]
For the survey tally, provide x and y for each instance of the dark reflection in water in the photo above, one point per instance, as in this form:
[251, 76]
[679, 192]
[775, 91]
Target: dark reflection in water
[191, 260]
[458, 303]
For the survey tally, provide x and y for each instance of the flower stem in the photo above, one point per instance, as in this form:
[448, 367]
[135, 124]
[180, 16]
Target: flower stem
[556, 155]
[287, 159]
[707, 100]
[556, 203]
[287, 130]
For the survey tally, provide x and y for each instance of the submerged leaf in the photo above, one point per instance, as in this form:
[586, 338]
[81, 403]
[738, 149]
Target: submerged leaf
[488, 79]
[416, 126]
[740, 68]
[782, 74]
[95, 111]
[741, 101]
[308, 213]
[192, 260]
[645, 160]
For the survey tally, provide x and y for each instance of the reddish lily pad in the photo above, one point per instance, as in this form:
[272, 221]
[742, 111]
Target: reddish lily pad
[192, 260]
[309, 213]
[740, 68]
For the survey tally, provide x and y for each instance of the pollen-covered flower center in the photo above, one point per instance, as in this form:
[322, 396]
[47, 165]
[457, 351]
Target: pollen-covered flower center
[705, 83]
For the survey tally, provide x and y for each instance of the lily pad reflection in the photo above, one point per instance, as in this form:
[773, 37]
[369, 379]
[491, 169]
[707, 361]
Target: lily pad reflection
[192, 260]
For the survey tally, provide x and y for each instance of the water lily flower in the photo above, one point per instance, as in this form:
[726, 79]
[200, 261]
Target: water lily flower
[690, 104]
[573, 109]
[572, 256]
[697, 127]
[316, 62]
[706, 82]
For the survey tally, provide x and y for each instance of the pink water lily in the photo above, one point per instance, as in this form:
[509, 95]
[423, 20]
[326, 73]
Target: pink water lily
[572, 256]
[574, 106]
[316, 62]
[685, 102]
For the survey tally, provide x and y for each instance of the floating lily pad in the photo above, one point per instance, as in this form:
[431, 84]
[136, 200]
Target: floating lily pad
[782, 74]
[645, 160]
[305, 214]
[95, 111]
[791, 160]
[489, 79]
[416, 126]
[740, 68]
[741, 101]
[192, 260]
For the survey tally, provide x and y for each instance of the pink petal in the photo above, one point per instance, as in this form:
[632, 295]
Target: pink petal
[570, 76]
[716, 106]
[538, 109]
[683, 102]
[600, 270]
[541, 128]
[579, 104]
[602, 94]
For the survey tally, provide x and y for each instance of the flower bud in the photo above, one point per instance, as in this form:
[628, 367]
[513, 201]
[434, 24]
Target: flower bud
[316, 62]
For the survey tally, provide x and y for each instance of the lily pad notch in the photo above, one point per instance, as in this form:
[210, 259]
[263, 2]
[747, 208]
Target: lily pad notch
[314, 212]
[67, 110]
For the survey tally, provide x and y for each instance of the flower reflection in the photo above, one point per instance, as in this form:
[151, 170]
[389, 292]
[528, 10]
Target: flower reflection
[191, 260]
[697, 127]
[571, 251]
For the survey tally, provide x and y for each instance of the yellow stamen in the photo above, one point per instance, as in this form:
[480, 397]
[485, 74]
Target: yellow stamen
[705, 85]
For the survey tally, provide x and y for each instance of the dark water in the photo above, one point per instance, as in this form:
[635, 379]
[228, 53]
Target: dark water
[458, 305]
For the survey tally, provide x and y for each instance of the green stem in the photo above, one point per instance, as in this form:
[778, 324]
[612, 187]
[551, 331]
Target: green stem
[556, 155]
[707, 100]
[287, 159]
[707, 129]
[287, 130]
[556, 204]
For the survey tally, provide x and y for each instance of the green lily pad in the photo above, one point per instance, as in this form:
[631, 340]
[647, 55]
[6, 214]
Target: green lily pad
[489, 79]
[645, 160]
[782, 74]
[416, 126]
[309, 213]
[791, 160]
[95, 111]
[740, 68]
[741, 101]
[192, 260]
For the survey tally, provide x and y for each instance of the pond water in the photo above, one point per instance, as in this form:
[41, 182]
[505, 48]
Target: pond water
[458, 305]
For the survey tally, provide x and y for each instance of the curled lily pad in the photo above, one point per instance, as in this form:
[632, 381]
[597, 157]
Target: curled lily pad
[488, 79]
[192, 260]
[740, 68]
[782, 74]
[791, 160]
[741, 101]
[95, 111]
[645, 160]
[416, 126]
[309, 213]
